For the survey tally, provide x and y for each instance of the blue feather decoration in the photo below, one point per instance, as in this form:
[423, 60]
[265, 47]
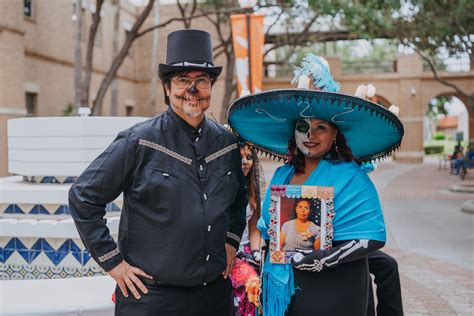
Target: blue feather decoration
[317, 68]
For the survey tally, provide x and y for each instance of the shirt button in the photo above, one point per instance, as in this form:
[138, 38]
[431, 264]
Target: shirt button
[204, 284]
[205, 196]
[200, 167]
[207, 258]
[209, 228]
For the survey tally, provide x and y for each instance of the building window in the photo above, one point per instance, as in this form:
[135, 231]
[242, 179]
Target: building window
[31, 104]
[128, 110]
[28, 8]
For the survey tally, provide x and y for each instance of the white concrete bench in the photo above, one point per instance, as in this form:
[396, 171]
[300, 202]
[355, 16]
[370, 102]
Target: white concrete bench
[75, 296]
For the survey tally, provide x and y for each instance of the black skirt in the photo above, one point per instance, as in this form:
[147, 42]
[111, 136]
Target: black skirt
[339, 291]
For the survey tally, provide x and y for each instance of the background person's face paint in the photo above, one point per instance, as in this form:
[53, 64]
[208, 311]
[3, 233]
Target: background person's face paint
[302, 134]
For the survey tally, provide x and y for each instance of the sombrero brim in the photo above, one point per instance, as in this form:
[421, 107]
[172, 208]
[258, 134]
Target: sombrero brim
[267, 121]
[164, 70]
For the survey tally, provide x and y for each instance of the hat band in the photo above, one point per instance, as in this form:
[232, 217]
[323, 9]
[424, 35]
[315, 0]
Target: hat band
[189, 64]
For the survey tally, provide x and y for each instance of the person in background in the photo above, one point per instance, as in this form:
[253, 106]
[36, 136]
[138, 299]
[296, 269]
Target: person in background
[389, 293]
[245, 275]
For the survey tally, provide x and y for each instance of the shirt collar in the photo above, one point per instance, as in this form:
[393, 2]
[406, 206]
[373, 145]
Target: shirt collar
[191, 131]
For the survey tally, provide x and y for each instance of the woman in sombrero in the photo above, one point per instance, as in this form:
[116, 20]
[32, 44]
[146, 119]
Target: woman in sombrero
[324, 136]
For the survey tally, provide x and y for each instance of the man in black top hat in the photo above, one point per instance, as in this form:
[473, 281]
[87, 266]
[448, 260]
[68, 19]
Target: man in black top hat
[184, 197]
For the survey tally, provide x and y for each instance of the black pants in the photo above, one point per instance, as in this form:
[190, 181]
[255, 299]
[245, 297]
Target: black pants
[387, 279]
[336, 291]
[213, 299]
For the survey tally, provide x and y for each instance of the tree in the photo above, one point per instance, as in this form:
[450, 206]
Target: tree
[119, 58]
[429, 27]
[217, 12]
[78, 55]
[293, 23]
[115, 43]
[438, 106]
[85, 88]
[188, 14]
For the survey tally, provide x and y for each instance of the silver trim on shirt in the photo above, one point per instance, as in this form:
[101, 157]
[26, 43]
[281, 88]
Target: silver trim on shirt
[165, 150]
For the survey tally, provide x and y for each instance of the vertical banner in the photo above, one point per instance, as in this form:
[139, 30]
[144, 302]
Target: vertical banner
[248, 67]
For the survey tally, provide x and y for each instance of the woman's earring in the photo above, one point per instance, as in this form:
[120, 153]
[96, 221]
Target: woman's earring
[296, 151]
[336, 147]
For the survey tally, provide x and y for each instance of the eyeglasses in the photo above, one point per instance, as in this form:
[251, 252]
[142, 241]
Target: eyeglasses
[200, 82]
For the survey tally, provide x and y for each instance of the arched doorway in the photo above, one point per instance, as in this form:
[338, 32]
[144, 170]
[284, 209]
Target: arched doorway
[445, 125]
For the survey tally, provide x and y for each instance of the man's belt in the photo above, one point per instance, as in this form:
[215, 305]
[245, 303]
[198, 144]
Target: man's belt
[150, 282]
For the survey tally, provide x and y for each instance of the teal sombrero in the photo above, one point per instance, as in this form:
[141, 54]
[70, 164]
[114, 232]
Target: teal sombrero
[267, 120]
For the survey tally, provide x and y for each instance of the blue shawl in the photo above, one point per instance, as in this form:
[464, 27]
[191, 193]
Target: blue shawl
[358, 216]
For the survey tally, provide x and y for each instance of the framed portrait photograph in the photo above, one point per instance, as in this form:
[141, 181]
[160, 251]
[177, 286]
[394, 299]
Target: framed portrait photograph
[300, 220]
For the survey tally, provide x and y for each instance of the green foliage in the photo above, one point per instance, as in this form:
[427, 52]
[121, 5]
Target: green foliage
[438, 106]
[433, 149]
[470, 146]
[69, 109]
[439, 136]
[426, 25]
[438, 24]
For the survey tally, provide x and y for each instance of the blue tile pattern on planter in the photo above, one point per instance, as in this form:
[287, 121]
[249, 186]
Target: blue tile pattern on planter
[39, 209]
[42, 246]
[13, 209]
[62, 209]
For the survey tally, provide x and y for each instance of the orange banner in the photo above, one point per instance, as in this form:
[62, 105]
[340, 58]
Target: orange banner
[248, 78]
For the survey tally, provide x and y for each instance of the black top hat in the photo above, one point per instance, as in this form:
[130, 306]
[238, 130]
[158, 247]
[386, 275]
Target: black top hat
[189, 50]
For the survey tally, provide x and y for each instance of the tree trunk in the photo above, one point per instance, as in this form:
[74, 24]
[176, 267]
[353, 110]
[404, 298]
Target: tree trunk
[229, 85]
[78, 55]
[154, 59]
[90, 53]
[118, 60]
[115, 39]
[470, 105]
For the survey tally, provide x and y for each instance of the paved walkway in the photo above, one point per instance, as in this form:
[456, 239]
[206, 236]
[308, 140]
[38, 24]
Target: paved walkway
[432, 240]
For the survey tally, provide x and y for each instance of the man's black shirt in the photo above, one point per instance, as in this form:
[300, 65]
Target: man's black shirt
[184, 197]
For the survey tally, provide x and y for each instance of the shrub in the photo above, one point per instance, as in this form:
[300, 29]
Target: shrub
[439, 136]
[434, 149]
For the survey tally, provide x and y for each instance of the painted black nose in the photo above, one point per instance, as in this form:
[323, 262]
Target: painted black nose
[192, 89]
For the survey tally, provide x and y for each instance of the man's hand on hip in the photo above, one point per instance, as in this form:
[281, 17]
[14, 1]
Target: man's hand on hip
[126, 277]
[230, 252]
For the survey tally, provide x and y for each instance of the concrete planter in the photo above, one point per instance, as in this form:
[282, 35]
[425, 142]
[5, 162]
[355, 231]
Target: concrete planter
[60, 146]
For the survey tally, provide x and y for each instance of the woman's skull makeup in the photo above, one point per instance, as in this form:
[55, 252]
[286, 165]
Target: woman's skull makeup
[302, 134]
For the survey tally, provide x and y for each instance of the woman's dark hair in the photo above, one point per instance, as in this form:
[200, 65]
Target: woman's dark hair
[339, 151]
[253, 186]
[166, 81]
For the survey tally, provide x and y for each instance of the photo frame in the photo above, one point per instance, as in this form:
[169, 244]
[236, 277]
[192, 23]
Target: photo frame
[300, 220]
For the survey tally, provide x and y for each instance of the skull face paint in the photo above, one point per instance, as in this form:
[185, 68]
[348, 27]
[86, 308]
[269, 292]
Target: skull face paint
[191, 101]
[314, 137]
[302, 134]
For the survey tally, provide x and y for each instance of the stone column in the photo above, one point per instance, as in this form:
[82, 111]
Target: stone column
[12, 74]
[410, 68]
